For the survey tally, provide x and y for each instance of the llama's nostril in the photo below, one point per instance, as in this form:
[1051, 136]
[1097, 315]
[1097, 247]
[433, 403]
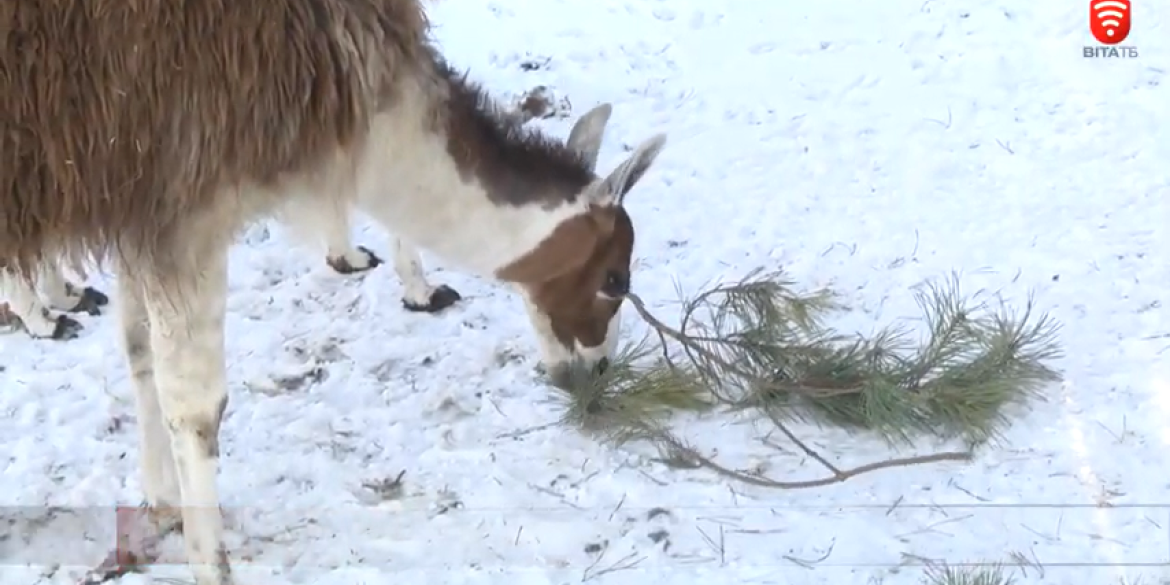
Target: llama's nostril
[602, 365]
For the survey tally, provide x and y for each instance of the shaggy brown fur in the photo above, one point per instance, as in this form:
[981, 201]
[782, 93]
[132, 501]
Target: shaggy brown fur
[120, 119]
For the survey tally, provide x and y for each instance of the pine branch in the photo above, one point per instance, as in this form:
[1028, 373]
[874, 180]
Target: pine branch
[756, 345]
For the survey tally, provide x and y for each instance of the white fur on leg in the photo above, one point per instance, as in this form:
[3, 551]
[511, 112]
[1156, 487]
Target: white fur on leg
[347, 255]
[187, 339]
[61, 294]
[408, 266]
[24, 302]
[160, 483]
[324, 222]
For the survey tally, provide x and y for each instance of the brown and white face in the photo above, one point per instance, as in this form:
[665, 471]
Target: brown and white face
[576, 315]
[575, 305]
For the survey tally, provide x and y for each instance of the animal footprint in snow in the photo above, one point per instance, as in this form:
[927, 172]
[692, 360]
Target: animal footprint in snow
[445, 501]
[450, 410]
[383, 489]
[292, 379]
[535, 63]
[543, 103]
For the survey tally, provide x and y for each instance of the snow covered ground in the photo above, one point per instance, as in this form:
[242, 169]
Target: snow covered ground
[862, 145]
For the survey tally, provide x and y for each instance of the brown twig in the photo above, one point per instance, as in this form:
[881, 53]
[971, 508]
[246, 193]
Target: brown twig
[688, 454]
[665, 332]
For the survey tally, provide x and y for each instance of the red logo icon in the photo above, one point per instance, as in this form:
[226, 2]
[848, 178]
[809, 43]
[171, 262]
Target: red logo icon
[1109, 20]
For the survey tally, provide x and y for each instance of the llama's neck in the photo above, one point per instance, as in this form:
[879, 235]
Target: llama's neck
[409, 182]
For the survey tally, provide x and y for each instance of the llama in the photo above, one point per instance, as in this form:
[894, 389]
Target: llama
[197, 118]
[38, 321]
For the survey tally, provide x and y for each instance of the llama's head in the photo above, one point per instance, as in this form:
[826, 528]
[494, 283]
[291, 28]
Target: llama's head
[575, 281]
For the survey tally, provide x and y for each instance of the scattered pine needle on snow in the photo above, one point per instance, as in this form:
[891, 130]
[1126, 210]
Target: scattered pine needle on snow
[759, 345]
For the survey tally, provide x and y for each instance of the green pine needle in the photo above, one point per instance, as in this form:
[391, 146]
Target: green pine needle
[631, 397]
[757, 344]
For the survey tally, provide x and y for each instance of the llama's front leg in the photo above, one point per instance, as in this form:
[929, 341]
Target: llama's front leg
[139, 534]
[186, 314]
[347, 259]
[340, 254]
[160, 483]
[35, 318]
[418, 294]
[66, 296]
[325, 222]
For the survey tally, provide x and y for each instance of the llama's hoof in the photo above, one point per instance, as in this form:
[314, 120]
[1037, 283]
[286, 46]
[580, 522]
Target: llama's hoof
[342, 265]
[66, 328]
[99, 298]
[91, 301]
[442, 297]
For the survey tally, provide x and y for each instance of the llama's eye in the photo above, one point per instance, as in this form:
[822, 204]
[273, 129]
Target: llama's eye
[616, 285]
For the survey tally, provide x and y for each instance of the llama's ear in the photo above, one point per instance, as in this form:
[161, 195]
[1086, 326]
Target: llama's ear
[585, 137]
[613, 189]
